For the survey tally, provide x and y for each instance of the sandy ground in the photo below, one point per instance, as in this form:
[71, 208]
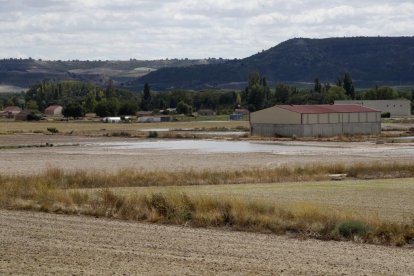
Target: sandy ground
[40, 244]
[90, 155]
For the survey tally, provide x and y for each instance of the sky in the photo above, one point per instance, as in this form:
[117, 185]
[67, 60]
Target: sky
[157, 29]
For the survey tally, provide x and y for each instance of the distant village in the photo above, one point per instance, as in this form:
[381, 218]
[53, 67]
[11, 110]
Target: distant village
[342, 117]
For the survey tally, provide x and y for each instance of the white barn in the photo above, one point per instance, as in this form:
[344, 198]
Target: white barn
[396, 108]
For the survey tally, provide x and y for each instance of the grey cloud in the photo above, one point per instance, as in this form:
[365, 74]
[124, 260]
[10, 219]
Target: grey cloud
[120, 29]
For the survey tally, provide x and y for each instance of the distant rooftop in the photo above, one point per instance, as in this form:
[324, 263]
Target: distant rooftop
[327, 108]
[12, 109]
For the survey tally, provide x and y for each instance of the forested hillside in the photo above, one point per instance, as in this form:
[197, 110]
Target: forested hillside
[371, 60]
[26, 72]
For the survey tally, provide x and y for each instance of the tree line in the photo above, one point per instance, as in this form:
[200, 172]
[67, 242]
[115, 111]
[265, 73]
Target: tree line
[79, 98]
[258, 95]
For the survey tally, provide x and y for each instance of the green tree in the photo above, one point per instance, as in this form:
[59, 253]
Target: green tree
[381, 93]
[255, 92]
[282, 93]
[177, 96]
[335, 93]
[8, 102]
[238, 99]
[128, 108]
[146, 98]
[113, 106]
[107, 107]
[318, 86]
[266, 88]
[348, 85]
[110, 90]
[74, 110]
[90, 102]
[31, 104]
[102, 109]
[183, 108]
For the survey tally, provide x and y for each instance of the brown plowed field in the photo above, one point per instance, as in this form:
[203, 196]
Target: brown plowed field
[38, 243]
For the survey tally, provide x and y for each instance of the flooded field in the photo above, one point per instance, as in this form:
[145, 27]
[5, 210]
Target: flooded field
[290, 148]
[112, 154]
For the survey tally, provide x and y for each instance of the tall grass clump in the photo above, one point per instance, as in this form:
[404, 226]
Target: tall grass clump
[348, 229]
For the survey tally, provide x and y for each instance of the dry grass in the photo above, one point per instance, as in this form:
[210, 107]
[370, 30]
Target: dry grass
[99, 128]
[207, 211]
[386, 199]
[54, 191]
[135, 178]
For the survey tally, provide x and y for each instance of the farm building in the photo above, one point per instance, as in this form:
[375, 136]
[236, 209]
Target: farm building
[144, 113]
[154, 119]
[112, 120]
[28, 114]
[396, 108]
[169, 111]
[236, 117]
[10, 111]
[53, 110]
[315, 120]
[241, 111]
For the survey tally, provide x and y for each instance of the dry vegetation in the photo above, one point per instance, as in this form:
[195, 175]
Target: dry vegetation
[134, 178]
[58, 191]
[99, 128]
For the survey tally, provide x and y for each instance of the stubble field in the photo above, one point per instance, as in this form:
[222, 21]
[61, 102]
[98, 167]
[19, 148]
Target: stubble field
[40, 244]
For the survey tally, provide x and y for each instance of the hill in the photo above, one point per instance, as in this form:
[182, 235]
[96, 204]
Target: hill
[370, 60]
[17, 74]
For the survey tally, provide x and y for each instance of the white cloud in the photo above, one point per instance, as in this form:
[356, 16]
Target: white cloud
[147, 29]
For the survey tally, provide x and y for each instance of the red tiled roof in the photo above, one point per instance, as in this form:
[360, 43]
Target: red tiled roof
[11, 109]
[52, 107]
[327, 108]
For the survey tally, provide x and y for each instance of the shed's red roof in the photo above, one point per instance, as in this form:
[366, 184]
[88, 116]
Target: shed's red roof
[327, 108]
[11, 109]
[52, 107]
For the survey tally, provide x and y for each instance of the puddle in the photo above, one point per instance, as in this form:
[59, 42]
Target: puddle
[196, 131]
[215, 146]
[406, 138]
[156, 129]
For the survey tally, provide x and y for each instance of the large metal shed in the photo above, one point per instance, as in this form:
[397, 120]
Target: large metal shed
[396, 108]
[315, 120]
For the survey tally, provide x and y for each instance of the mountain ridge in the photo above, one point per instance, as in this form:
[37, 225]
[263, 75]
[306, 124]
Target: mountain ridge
[370, 60]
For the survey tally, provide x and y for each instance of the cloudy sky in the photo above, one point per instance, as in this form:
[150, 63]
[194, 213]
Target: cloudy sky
[151, 29]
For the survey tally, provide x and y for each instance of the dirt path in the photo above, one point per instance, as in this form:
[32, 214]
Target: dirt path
[37, 243]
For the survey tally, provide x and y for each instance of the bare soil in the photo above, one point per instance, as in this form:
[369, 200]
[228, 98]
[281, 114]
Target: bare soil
[39, 244]
[89, 156]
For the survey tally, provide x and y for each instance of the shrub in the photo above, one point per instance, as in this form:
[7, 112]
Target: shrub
[121, 134]
[385, 115]
[79, 198]
[52, 130]
[32, 116]
[158, 202]
[152, 134]
[348, 229]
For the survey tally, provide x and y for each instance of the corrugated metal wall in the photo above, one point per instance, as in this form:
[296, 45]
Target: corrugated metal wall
[324, 130]
[395, 107]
